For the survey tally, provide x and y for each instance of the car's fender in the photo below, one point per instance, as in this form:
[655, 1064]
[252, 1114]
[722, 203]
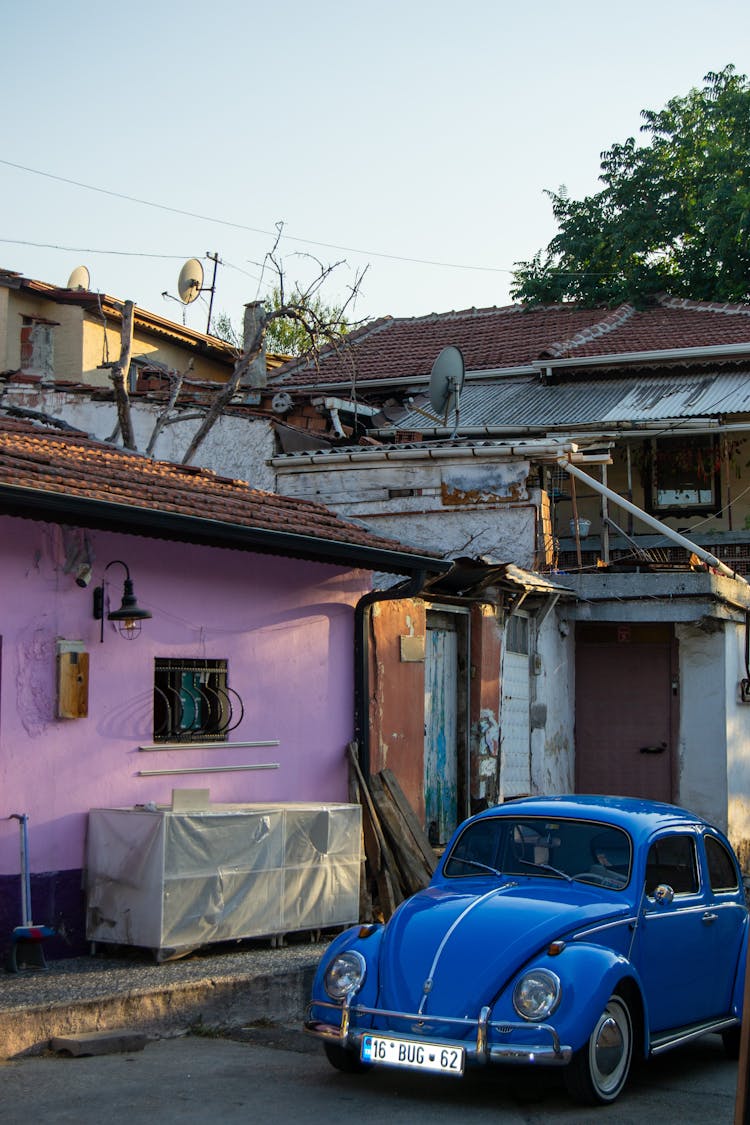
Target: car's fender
[589, 975]
[365, 940]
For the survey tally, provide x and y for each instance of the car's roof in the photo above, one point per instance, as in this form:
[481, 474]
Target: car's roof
[635, 814]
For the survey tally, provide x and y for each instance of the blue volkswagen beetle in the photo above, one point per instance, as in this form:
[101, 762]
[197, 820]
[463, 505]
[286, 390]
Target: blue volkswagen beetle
[575, 931]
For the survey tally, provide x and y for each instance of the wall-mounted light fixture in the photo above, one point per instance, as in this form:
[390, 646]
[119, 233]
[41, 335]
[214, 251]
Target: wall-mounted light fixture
[129, 616]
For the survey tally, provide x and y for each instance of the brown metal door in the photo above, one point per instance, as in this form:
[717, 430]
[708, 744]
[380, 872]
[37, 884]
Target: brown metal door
[626, 707]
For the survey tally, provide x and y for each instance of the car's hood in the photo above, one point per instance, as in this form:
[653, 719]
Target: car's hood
[468, 943]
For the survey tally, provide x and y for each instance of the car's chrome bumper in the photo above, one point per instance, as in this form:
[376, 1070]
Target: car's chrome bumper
[485, 1046]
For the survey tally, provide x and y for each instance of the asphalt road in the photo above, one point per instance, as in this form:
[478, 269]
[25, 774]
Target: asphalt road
[270, 1075]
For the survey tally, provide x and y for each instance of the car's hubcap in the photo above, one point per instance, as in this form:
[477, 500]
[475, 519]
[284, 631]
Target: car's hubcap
[609, 1047]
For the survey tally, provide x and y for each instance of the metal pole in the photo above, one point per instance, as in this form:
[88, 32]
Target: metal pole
[215, 259]
[25, 873]
[651, 521]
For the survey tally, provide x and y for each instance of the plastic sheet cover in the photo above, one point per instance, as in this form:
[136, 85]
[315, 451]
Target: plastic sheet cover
[177, 880]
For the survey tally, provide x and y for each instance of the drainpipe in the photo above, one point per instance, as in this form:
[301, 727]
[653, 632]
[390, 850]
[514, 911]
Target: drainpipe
[651, 521]
[410, 588]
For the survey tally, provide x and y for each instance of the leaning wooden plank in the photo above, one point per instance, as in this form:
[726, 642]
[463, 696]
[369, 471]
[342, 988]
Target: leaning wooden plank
[385, 870]
[413, 873]
[407, 812]
[389, 896]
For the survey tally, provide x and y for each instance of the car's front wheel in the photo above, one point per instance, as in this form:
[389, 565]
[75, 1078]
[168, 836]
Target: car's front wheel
[343, 1059]
[597, 1073]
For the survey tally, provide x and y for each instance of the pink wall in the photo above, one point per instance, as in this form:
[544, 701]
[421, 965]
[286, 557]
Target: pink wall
[285, 626]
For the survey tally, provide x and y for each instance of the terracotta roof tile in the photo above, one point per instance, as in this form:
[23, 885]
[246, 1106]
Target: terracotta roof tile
[80, 468]
[518, 336]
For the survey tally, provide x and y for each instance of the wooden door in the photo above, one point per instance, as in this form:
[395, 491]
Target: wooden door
[626, 709]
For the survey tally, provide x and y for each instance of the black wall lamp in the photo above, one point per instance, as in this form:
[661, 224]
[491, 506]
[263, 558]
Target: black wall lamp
[129, 616]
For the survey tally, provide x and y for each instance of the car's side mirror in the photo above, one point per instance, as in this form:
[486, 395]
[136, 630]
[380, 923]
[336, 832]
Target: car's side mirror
[664, 893]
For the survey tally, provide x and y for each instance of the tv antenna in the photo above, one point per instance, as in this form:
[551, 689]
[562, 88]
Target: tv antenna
[446, 383]
[79, 279]
[190, 284]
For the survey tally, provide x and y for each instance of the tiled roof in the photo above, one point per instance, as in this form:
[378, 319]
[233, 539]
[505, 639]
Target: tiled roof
[87, 475]
[517, 336]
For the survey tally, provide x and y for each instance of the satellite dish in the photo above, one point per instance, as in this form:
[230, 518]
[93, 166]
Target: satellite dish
[190, 281]
[281, 403]
[79, 279]
[446, 382]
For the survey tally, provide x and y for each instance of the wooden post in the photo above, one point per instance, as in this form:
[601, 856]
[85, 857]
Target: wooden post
[742, 1100]
[119, 376]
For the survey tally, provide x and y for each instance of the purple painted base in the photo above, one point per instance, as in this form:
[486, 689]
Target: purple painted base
[57, 900]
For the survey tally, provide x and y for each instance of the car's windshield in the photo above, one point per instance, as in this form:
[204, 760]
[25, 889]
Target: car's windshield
[564, 849]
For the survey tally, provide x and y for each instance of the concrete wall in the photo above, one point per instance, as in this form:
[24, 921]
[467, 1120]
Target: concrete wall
[440, 503]
[702, 751]
[738, 743]
[553, 689]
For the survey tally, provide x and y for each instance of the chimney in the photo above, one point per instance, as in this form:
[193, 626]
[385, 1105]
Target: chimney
[255, 319]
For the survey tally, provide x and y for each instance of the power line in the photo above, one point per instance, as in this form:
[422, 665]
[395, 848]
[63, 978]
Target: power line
[252, 230]
[89, 249]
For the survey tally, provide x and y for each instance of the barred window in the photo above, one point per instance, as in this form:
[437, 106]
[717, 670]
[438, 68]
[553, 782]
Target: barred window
[193, 701]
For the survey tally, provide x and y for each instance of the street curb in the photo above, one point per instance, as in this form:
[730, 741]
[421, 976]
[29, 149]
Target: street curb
[208, 1003]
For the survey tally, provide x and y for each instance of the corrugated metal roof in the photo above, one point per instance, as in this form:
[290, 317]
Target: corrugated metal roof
[531, 404]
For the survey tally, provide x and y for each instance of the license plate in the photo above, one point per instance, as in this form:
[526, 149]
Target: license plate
[412, 1054]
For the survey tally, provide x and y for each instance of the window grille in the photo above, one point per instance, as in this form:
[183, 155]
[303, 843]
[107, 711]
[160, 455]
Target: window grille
[193, 701]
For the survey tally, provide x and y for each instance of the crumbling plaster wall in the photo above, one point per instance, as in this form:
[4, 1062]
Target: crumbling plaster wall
[236, 447]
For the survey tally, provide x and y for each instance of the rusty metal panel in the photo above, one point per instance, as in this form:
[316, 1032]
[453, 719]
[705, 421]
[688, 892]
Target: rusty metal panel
[441, 733]
[397, 697]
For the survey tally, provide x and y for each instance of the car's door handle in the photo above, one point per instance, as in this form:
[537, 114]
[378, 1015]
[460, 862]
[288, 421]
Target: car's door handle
[653, 749]
[708, 918]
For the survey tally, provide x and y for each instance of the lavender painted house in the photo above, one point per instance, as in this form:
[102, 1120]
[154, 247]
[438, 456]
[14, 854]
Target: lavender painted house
[250, 640]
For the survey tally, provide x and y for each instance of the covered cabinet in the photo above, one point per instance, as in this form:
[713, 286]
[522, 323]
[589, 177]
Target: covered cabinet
[176, 880]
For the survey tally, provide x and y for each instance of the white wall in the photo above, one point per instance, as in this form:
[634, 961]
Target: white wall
[553, 744]
[702, 779]
[738, 744]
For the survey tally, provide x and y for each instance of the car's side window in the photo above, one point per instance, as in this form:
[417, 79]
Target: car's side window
[671, 860]
[721, 870]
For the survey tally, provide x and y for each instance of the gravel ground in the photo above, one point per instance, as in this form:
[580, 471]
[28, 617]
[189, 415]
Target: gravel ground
[78, 979]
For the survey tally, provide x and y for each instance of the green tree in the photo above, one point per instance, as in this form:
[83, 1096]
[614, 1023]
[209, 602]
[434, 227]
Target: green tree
[305, 327]
[674, 214]
[290, 336]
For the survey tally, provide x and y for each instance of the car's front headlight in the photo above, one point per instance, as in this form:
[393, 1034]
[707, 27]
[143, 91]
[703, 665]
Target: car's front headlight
[345, 974]
[536, 994]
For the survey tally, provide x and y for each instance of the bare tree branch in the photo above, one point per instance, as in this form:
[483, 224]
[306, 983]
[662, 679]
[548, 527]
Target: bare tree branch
[176, 379]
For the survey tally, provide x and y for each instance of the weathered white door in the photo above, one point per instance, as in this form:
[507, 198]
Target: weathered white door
[441, 730]
[515, 732]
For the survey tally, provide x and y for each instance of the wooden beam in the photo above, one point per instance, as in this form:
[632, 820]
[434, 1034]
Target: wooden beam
[421, 841]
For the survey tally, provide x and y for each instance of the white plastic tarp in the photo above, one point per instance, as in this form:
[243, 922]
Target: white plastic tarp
[174, 880]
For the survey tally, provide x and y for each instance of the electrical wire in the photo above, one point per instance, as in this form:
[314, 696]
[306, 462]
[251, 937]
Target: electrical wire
[245, 227]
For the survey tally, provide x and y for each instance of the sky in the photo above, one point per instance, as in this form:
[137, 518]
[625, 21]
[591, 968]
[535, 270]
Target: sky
[407, 144]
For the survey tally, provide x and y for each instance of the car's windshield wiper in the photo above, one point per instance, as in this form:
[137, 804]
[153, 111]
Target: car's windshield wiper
[546, 867]
[476, 863]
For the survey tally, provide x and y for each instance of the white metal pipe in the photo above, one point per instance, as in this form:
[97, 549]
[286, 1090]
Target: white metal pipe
[652, 521]
[717, 351]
